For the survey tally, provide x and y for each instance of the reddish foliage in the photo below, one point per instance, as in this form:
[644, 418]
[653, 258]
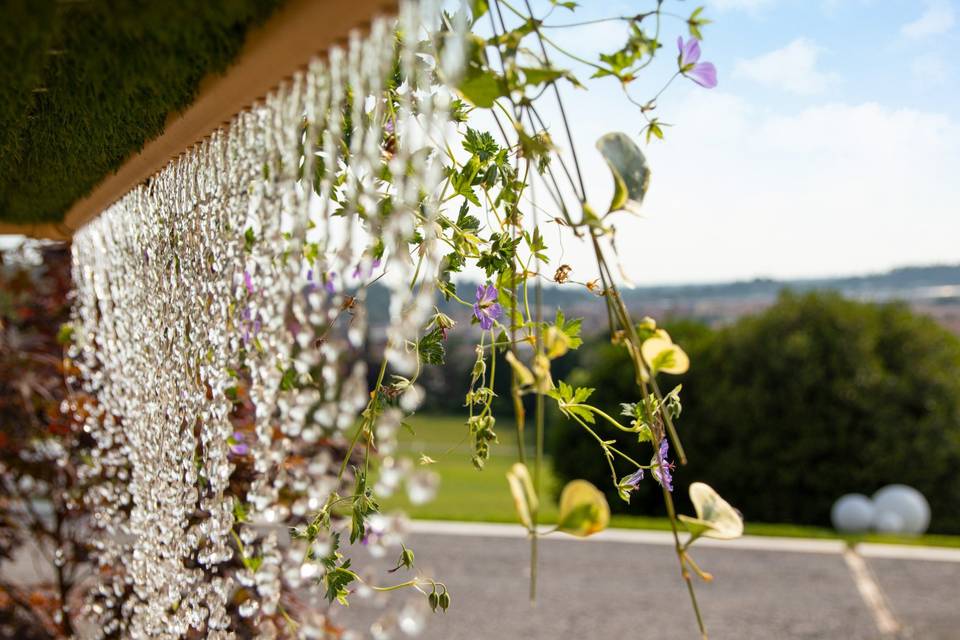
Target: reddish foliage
[40, 502]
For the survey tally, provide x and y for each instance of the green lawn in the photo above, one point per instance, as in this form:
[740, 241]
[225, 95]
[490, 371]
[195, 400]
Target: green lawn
[466, 493]
[483, 496]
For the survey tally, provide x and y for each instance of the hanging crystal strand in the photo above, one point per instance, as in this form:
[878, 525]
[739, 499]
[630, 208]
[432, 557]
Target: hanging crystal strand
[282, 131]
[248, 258]
[217, 251]
[119, 397]
[416, 172]
[152, 419]
[106, 469]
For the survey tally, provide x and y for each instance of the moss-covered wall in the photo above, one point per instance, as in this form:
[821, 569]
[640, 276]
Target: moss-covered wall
[85, 83]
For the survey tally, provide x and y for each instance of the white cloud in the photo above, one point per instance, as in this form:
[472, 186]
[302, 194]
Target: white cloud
[738, 191]
[937, 18]
[792, 68]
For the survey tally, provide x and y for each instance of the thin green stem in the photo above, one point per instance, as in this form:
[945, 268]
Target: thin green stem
[602, 415]
[539, 415]
[681, 555]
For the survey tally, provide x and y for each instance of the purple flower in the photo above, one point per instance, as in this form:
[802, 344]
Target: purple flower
[358, 271]
[250, 325]
[486, 309]
[328, 282]
[662, 472]
[237, 447]
[248, 282]
[703, 73]
[311, 285]
[634, 479]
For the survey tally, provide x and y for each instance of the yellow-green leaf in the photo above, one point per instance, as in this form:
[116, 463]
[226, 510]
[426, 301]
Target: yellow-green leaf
[541, 372]
[556, 342]
[663, 355]
[583, 509]
[524, 375]
[715, 517]
[524, 497]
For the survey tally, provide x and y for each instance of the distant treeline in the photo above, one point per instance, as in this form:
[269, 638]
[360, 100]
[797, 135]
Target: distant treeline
[899, 283]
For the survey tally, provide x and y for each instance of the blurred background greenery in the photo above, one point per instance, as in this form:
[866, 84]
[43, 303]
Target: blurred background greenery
[784, 411]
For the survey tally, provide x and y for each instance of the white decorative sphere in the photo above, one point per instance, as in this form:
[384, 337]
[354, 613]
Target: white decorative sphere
[906, 503]
[852, 513]
[888, 522]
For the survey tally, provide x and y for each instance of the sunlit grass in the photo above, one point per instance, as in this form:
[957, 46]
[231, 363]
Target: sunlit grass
[483, 496]
[465, 492]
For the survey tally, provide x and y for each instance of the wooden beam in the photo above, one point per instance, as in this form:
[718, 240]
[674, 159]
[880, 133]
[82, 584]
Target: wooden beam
[272, 53]
[46, 230]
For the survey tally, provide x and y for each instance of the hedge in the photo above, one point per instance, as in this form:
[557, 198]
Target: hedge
[787, 410]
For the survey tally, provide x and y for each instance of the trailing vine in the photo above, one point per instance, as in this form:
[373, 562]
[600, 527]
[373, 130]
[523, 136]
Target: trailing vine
[492, 222]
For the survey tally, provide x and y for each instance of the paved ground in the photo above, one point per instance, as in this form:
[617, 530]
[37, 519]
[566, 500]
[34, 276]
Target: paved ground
[619, 590]
[923, 595]
[625, 585]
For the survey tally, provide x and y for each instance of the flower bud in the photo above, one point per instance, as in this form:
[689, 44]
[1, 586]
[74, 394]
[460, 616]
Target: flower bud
[406, 558]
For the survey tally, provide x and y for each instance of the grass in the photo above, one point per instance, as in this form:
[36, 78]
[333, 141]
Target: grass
[483, 496]
[466, 493]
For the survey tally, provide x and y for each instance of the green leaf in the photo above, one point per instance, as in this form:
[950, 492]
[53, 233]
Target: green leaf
[478, 8]
[239, 511]
[566, 395]
[524, 497]
[482, 88]
[583, 509]
[539, 75]
[289, 380]
[631, 175]
[65, 333]
[570, 328]
[336, 581]
[644, 434]
[481, 144]
[466, 222]
[654, 130]
[431, 348]
[363, 505]
[499, 254]
[253, 564]
[694, 22]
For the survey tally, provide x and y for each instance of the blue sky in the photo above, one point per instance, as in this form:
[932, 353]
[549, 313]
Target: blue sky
[831, 145]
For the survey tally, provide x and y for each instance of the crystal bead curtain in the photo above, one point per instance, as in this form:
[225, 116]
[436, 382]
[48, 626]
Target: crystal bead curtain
[248, 259]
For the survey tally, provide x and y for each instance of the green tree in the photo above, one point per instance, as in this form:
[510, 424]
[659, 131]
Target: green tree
[816, 397]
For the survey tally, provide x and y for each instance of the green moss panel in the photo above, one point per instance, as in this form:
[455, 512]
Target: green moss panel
[86, 83]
